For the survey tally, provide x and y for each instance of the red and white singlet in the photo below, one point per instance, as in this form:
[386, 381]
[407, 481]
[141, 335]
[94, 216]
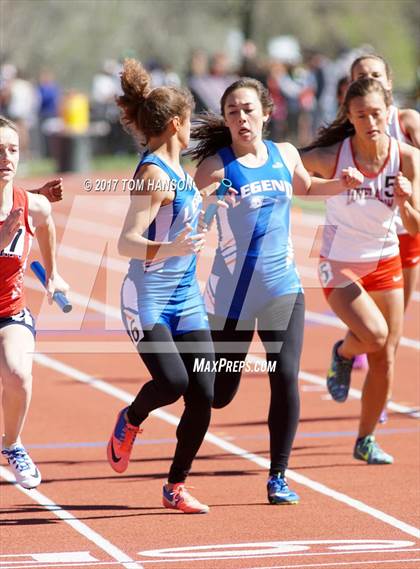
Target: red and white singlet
[13, 259]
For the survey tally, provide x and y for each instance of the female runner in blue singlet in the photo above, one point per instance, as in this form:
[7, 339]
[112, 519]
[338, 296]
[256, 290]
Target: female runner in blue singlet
[254, 280]
[162, 307]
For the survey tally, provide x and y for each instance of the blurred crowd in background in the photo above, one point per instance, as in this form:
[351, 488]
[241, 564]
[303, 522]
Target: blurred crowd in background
[305, 87]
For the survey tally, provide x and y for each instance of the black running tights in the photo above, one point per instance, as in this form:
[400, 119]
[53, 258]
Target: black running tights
[170, 361]
[280, 327]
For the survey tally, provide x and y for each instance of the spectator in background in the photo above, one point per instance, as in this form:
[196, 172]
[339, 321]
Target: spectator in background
[197, 69]
[210, 87]
[49, 95]
[251, 65]
[342, 87]
[103, 109]
[21, 107]
[162, 74]
[105, 87]
[277, 126]
[317, 65]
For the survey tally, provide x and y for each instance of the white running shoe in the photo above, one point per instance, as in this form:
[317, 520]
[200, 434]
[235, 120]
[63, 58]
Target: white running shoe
[25, 471]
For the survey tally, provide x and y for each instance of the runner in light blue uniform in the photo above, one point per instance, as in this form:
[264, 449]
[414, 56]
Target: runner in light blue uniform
[161, 304]
[166, 291]
[254, 260]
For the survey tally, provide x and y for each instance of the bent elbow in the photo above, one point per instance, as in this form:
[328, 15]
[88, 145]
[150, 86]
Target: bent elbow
[122, 247]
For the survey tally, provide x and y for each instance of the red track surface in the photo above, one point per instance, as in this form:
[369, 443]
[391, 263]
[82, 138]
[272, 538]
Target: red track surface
[84, 515]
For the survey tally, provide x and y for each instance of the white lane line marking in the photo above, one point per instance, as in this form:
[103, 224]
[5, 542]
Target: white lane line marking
[282, 549]
[229, 447]
[258, 556]
[76, 524]
[339, 564]
[110, 563]
[38, 565]
[356, 393]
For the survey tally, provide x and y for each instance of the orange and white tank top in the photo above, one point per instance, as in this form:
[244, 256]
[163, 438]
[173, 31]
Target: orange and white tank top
[360, 222]
[13, 259]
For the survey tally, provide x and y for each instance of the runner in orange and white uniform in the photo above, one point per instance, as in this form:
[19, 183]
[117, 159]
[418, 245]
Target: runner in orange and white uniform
[22, 214]
[360, 240]
[404, 125]
[360, 269]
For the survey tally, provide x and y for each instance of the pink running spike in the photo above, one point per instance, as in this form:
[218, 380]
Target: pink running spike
[360, 362]
[177, 497]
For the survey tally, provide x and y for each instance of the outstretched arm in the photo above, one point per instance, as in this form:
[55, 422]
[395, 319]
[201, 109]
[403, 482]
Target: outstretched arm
[40, 214]
[52, 190]
[323, 162]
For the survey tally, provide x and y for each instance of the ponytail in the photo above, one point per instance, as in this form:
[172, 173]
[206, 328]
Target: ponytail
[212, 133]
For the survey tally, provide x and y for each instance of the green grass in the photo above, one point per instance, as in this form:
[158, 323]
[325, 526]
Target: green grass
[309, 206]
[47, 167]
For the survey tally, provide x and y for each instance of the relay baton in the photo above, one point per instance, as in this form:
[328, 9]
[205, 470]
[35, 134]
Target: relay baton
[59, 297]
[210, 212]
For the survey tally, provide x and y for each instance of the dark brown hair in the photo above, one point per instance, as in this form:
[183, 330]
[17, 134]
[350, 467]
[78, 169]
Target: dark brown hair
[210, 129]
[341, 127]
[149, 110]
[388, 71]
[6, 123]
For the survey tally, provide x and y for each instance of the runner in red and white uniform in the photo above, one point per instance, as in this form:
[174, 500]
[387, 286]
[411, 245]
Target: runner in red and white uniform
[360, 269]
[22, 214]
[404, 125]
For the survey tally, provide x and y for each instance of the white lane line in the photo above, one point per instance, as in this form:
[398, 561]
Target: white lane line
[76, 524]
[357, 394]
[38, 565]
[339, 564]
[164, 561]
[229, 447]
[97, 306]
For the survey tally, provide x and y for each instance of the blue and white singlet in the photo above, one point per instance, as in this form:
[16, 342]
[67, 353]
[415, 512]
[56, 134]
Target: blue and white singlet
[254, 260]
[166, 291]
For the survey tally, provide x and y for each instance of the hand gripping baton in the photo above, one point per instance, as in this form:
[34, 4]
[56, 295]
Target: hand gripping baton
[59, 297]
[210, 212]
